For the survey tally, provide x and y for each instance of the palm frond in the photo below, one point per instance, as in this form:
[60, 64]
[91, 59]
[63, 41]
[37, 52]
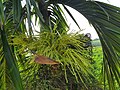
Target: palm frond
[8, 62]
[13, 70]
[71, 16]
[105, 19]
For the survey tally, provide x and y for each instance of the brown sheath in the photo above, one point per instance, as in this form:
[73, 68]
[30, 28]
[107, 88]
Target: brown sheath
[45, 60]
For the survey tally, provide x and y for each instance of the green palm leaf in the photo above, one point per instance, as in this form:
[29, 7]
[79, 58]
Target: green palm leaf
[13, 70]
[7, 60]
[105, 19]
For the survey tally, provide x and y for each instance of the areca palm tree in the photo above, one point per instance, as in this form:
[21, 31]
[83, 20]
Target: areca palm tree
[18, 42]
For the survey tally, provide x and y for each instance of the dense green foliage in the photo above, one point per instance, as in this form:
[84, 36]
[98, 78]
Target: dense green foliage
[97, 61]
[72, 56]
[19, 45]
[96, 43]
